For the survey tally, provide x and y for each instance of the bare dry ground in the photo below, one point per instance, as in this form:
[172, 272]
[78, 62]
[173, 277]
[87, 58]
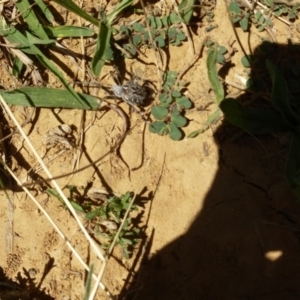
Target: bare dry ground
[221, 222]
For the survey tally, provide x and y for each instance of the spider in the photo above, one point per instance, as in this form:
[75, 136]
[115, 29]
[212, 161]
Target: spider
[131, 92]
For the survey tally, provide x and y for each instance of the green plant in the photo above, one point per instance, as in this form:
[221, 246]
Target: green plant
[281, 116]
[215, 55]
[169, 112]
[164, 30]
[105, 219]
[260, 17]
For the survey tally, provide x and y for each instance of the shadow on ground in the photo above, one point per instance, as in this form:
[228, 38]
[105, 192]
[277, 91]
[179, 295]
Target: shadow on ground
[244, 243]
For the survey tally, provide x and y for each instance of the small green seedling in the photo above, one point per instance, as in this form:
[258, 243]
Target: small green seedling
[164, 30]
[169, 112]
[106, 218]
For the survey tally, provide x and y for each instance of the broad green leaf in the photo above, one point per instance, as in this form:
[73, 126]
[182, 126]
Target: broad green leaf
[47, 97]
[179, 120]
[71, 6]
[246, 61]
[184, 102]
[234, 8]
[254, 121]
[68, 31]
[280, 97]
[158, 127]
[159, 112]
[292, 169]
[103, 50]
[175, 134]
[186, 9]
[244, 23]
[211, 64]
[174, 18]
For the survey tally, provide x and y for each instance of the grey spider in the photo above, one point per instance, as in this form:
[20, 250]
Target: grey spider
[131, 92]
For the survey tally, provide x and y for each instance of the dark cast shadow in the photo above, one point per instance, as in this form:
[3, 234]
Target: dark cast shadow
[244, 244]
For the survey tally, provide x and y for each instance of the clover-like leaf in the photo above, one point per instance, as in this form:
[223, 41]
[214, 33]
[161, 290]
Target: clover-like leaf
[184, 102]
[179, 120]
[159, 127]
[159, 112]
[175, 134]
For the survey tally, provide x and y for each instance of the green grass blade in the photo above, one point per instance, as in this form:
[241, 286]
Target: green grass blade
[292, 169]
[68, 31]
[47, 63]
[17, 67]
[211, 64]
[255, 121]
[122, 5]
[88, 283]
[71, 6]
[103, 51]
[28, 14]
[280, 97]
[15, 37]
[48, 97]
[213, 118]
[45, 10]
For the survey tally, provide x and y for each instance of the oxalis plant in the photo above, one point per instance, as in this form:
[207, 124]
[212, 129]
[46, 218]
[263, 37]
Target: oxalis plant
[279, 117]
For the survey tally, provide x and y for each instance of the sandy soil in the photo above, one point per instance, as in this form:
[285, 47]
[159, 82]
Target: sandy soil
[219, 218]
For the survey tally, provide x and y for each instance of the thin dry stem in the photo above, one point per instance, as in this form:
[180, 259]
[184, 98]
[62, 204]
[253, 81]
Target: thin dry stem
[53, 182]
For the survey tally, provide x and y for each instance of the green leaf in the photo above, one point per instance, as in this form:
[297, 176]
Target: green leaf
[184, 101]
[45, 10]
[47, 97]
[136, 39]
[213, 118]
[158, 22]
[234, 8]
[179, 120]
[165, 98]
[292, 169]
[176, 94]
[28, 14]
[279, 96]
[77, 207]
[138, 27]
[160, 41]
[159, 127]
[174, 18]
[175, 134]
[68, 31]
[244, 23]
[213, 74]
[17, 67]
[93, 214]
[159, 112]
[103, 51]
[254, 121]
[121, 6]
[88, 283]
[186, 9]
[246, 61]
